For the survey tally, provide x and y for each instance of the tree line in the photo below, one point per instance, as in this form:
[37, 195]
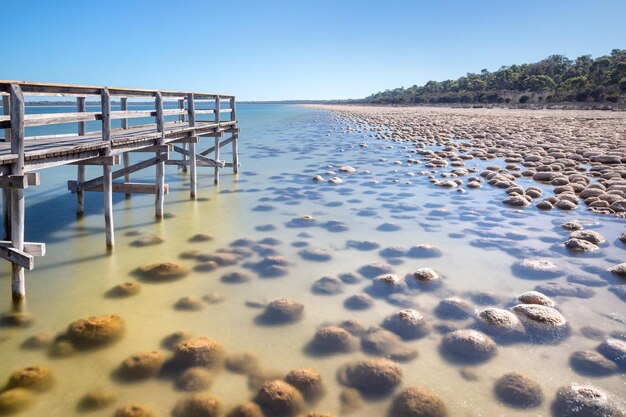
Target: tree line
[555, 79]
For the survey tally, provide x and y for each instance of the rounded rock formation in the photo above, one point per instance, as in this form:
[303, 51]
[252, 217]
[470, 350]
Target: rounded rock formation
[498, 321]
[333, 339]
[409, 324]
[589, 362]
[371, 376]
[535, 297]
[518, 390]
[36, 378]
[248, 409]
[469, 345]
[541, 320]
[194, 379]
[15, 400]
[161, 272]
[307, 381]
[96, 399]
[95, 331]
[279, 398]
[576, 400]
[283, 310]
[200, 351]
[134, 410]
[417, 402]
[141, 365]
[197, 405]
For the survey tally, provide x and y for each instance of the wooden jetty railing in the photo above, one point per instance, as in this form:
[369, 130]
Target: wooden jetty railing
[195, 115]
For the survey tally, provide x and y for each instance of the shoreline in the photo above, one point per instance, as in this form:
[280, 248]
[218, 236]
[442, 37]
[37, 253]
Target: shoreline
[581, 154]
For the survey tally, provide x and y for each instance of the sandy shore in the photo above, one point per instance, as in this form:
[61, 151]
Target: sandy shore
[580, 153]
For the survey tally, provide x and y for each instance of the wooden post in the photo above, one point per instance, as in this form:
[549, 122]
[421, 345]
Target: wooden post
[191, 110]
[125, 155]
[80, 176]
[6, 109]
[181, 119]
[18, 286]
[235, 137]
[160, 165]
[217, 141]
[6, 193]
[106, 169]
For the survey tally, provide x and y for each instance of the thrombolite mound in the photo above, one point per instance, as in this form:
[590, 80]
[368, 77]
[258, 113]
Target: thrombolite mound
[200, 351]
[423, 278]
[96, 399]
[576, 400]
[589, 362]
[333, 339]
[125, 289]
[387, 284]
[242, 363]
[615, 350]
[454, 308]
[408, 324]
[194, 379]
[536, 269]
[535, 297]
[307, 381]
[134, 410]
[518, 390]
[469, 345]
[163, 271]
[248, 409]
[15, 400]
[141, 365]
[197, 405]
[542, 321]
[375, 269]
[371, 376]
[498, 321]
[327, 286]
[587, 235]
[95, 331]
[36, 378]
[417, 402]
[279, 398]
[619, 270]
[381, 342]
[282, 311]
[359, 302]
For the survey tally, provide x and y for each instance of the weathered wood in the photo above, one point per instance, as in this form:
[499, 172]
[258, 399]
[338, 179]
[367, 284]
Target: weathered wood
[235, 138]
[6, 214]
[99, 160]
[191, 155]
[105, 98]
[31, 248]
[19, 259]
[117, 174]
[154, 148]
[6, 110]
[106, 169]
[18, 285]
[58, 118]
[221, 145]
[20, 181]
[124, 108]
[160, 165]
[123, 187]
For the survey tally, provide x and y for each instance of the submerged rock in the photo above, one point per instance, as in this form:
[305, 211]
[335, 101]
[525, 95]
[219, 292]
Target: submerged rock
[333, 339]
[518, 390]
[541, 320]
[587, 235]
[589, 362]
[375, 269]
[359, 302]
[197, 405]
[36, 378]
[146, 241]
[134, 410]
[200, 351]
[307, 381]
[408, 324]
[141, 365]
[378, 341]
[96, 399]
[371, 376]
[163, 271]
[417, 402]
[95, 331]
[282, 310]
[615, 350]
[327, 286]
[619, 270]
[535, 297]
[454, 308]
[125, 289]
[580, 245]
[194, 379]
[537, 268]
[242, 363]
[469, 345]
[498, 321]
[423, 251]
[279, 398]
[248, 409]
[576, 400]
[15, 400]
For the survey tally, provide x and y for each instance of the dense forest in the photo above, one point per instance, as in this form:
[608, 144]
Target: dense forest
[555, 79]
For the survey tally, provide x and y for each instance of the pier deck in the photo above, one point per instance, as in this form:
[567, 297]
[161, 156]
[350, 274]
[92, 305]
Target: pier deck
[174, 130]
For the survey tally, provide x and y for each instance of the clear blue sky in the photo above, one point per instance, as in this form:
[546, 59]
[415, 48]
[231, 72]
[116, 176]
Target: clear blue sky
[293, 49]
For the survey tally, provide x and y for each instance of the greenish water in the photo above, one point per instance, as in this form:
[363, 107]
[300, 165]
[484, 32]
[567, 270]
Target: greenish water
[281, 149]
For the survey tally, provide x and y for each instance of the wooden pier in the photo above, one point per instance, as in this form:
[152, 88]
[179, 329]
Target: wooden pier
[176, 130]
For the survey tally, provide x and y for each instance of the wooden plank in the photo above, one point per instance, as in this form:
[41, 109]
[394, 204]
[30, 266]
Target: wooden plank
[234, 139]
[154, 148]
[31, 248]
[20, 181]
[106, 115]
[160, 166]
[124, 108]
[221, 144]
[6, 110]
[99, 160]
[58, 118]
[71, 185]
[124, 187]
[106, 170]
[19, 259]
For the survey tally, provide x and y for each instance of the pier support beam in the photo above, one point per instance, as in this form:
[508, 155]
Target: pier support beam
[235, 137]
[160, 165]
[191, 111]
[107, 170]
[18, 285]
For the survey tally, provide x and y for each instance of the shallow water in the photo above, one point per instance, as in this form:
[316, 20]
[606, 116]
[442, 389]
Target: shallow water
[281, 149]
